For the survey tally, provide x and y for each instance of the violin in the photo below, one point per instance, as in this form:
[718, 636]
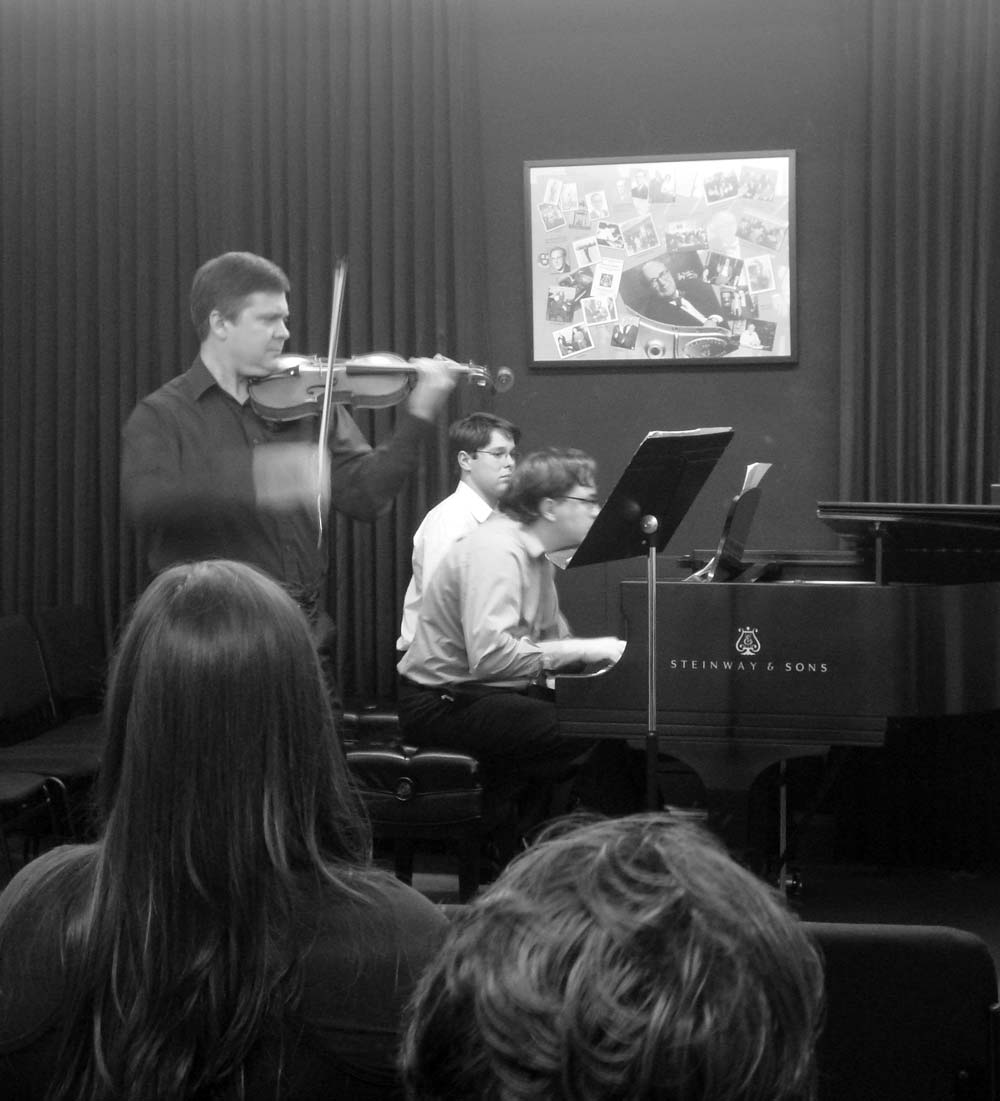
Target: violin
[373, 381]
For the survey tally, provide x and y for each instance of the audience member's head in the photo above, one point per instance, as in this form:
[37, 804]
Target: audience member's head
[220, 735]
[627, 959]
[549, 473]
[227, 811]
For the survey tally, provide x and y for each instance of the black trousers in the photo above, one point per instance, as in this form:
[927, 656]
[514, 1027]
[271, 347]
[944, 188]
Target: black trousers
[514, 734]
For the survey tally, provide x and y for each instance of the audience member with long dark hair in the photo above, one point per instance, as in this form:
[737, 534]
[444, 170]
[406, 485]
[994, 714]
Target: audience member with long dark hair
[627, 959]
[226, 935]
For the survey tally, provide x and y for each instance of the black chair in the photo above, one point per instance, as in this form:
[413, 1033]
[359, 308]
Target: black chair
[32, 739]
[415, 794]
[911, 1014]
[26, 807]
[75, 656]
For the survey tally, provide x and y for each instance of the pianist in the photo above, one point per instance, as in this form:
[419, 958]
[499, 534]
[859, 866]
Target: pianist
[490, 632]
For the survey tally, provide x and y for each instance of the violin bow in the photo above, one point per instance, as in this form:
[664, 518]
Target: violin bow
[339, 285]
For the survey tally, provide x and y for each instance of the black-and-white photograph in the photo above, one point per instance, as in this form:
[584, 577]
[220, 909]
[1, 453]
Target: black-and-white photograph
[573, 341]
[760, 274]
[677, 258]
[761, 231]
[600, 310]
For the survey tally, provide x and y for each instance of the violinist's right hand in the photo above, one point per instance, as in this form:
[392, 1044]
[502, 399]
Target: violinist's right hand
[285, 477]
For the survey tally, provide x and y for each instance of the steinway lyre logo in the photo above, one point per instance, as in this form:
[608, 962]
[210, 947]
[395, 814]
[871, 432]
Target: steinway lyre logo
[747, 642]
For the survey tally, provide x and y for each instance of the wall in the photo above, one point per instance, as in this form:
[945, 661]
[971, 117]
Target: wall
[583, 78]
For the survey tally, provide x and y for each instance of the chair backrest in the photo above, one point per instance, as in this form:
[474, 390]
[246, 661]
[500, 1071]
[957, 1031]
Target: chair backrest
[911, 1011]
[75, 656]
[25, 701]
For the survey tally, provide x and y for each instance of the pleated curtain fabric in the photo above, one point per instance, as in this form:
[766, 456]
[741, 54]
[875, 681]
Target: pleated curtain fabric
[920, 392]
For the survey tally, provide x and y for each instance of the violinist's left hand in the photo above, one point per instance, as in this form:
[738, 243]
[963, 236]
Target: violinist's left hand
[435, 381]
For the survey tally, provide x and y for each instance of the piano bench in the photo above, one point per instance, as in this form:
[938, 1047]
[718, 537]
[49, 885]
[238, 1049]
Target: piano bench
[415, 794]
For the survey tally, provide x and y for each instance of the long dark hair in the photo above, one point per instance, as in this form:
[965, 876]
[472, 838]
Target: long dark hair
[227, 808]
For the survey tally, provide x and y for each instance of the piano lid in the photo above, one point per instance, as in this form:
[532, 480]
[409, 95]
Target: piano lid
[916, 525]
[920, 542]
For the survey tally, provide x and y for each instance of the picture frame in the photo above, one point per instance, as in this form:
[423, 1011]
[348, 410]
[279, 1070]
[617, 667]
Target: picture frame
[680, 260]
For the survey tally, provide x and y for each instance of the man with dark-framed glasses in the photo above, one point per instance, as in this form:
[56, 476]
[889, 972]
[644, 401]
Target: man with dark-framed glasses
[490, 634]
[484, 448]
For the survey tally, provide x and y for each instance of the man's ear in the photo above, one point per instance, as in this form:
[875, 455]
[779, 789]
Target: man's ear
[217, 324]
[464, 460]
[547, 508]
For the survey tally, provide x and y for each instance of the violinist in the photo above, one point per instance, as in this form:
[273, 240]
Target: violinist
[204, 476]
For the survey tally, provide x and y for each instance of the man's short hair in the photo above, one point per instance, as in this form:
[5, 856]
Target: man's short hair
[551, 472]
[472, 433]
[227, 281]
[625, 958]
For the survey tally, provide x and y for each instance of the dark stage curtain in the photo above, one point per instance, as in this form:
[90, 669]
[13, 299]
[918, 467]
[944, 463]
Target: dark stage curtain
[920, 391]
[919, 409]
[140, 138]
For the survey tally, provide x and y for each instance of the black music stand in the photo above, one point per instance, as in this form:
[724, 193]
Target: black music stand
[647, 505]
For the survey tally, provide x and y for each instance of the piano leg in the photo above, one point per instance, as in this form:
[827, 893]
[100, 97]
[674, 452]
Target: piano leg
[729, 818]
[728, 769]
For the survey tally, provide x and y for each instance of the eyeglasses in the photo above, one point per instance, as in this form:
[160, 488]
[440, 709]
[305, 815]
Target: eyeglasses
[499, 454]
[592, 501]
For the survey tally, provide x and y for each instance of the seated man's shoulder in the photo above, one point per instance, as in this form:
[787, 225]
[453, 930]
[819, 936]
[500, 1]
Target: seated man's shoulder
[499, 529]
[492, 540]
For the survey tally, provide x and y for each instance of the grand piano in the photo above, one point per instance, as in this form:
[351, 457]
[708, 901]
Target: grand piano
[785, 654]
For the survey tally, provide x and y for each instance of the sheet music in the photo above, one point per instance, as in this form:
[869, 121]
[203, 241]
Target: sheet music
[735, 528]
[755, 471]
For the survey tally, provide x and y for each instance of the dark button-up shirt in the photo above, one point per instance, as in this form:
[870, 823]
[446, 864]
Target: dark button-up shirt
[187, 480]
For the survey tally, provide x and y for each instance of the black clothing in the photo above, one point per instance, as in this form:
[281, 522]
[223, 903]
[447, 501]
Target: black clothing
[187, 480]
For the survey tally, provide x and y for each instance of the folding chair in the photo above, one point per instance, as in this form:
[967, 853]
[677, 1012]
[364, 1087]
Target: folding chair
[32, 740]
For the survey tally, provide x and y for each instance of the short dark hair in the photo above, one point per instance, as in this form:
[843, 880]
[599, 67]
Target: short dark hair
[227, 281]
[551, 472]
[626, 958]
[473, 432]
